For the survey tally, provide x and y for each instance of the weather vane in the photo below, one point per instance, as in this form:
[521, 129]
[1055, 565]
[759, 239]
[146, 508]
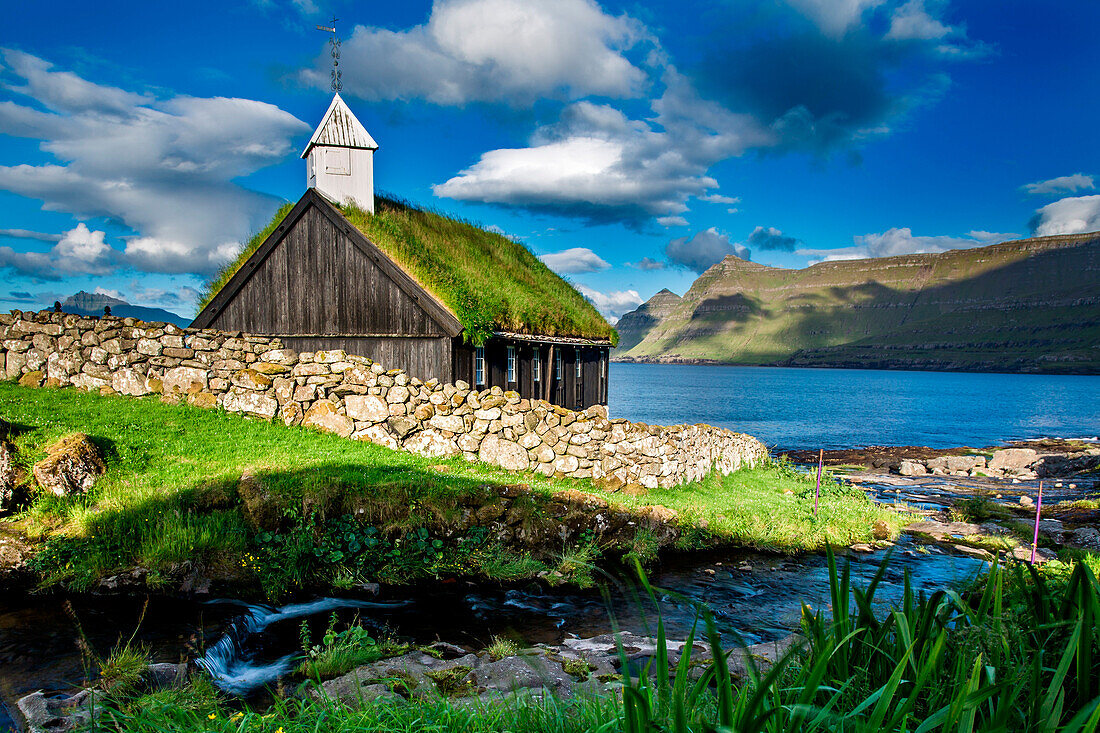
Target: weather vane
[334, 44]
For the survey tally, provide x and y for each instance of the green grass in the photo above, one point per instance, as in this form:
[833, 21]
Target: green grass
[490, 282]
[340, 512]
[342, 650]
[501, 647]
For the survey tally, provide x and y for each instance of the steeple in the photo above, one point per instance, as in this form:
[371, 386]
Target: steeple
[340, 158]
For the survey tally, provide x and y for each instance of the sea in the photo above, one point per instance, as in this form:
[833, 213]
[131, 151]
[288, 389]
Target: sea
[844, 408]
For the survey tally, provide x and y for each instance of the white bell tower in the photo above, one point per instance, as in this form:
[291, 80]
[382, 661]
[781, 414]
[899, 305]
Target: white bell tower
[340, 158]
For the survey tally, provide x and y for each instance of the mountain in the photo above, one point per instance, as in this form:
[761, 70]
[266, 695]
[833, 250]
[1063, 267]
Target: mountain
[92, 304]
[1031, 305]
[634, 326]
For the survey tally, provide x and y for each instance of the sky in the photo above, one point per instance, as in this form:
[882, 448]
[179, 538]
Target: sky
[631, 145]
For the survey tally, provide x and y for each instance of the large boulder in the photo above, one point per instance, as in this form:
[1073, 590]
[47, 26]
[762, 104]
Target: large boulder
[912, 468]
[325, 416]
[503, 453]
[71, 466]
[1014, 459]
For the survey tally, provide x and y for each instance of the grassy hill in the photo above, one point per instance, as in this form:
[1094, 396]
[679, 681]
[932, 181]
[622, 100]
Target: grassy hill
[1028, 305]
[255, 505]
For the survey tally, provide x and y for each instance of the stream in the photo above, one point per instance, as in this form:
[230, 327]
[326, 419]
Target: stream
[247, 647]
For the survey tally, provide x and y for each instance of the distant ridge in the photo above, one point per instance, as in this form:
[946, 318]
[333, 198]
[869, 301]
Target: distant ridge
[1030, 305]
[634, 326]
[92, 304]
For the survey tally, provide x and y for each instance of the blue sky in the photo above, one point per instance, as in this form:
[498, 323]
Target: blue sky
[630, 144]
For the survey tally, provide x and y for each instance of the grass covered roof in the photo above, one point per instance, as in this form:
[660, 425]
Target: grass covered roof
[490, 282]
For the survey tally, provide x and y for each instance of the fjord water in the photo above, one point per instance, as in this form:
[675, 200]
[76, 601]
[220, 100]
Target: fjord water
[842, 408]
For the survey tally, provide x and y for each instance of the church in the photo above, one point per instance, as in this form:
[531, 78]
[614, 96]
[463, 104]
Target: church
[411, 289]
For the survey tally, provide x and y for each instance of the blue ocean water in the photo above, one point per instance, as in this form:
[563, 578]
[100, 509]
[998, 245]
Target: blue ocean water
[838, 408]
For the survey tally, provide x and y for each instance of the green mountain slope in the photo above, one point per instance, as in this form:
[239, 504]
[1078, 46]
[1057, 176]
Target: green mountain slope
[1029, 305]
[634, 326]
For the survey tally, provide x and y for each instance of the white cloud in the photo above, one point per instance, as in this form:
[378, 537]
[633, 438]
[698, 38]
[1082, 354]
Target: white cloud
[902, 241]
[117, 295]
[1073, 215]
[717, 198]
[912, 21]
[28, 234]
[597, 164]
[80, 251]
[704, 250]
[164, 168]
[834, 17]
[1061, 184]
[574, 261]
[613, 304]
[492, 50]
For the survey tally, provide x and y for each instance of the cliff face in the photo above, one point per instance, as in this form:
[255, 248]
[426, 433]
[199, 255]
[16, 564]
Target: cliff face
[635, 325]
[1029, 305]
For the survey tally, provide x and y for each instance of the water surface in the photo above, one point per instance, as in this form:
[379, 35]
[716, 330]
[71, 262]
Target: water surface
[842, 408]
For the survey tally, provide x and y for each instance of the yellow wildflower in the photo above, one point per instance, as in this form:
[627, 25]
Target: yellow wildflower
[211, 716]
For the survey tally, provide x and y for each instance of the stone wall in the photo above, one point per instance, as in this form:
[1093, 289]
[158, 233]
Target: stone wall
[354, 397]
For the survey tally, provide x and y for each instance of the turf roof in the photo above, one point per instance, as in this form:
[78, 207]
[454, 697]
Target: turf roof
[491, 283]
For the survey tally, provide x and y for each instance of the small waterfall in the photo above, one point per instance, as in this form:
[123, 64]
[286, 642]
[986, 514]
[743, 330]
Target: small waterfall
[234, 666]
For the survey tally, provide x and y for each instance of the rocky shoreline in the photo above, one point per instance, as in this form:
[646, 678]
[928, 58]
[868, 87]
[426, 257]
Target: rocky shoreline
[1020, 460]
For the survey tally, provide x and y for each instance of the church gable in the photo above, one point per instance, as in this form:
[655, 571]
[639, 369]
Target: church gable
[317, 275]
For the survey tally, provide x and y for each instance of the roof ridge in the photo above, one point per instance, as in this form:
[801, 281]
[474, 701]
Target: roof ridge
[340, 128]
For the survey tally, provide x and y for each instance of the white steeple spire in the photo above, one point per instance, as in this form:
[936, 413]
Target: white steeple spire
[340, 158]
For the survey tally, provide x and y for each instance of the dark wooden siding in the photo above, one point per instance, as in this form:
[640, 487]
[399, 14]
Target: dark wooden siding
[424, 358]
[315, 282]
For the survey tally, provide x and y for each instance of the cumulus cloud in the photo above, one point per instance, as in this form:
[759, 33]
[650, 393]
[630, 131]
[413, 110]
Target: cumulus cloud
[647, 263]
[599, 165]
[902, 241]
[492, 50]
[704, 250]
[611, 305]
[1072, 215]
[772, 239]
[79, 251]
[574, 260]
[1061, 184]
[912, 21]
[162, 167]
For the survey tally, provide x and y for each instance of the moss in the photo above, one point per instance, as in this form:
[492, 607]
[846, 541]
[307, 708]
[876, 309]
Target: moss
[453, 682]
[577, 668]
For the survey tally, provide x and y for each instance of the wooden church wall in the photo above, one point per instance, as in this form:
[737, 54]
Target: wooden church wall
[316, 290]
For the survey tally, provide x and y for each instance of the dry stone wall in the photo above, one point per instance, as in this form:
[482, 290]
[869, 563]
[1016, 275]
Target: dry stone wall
[357, 398]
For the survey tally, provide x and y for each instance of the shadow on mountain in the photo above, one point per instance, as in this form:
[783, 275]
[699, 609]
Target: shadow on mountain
[737, 307]
[1039, 313]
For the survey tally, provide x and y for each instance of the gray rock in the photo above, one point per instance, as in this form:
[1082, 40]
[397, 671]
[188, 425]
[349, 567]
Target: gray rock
[7, 474]
[56, 714]
[912, 468]
[1087, 537]
[527, 671]
[71, 466]
[1014, 458]
[503, 453]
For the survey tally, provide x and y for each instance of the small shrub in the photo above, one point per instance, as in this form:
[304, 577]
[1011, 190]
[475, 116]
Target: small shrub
[500, 647]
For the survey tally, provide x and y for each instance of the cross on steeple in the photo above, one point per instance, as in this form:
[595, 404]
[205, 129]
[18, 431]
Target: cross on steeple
[334, 44]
